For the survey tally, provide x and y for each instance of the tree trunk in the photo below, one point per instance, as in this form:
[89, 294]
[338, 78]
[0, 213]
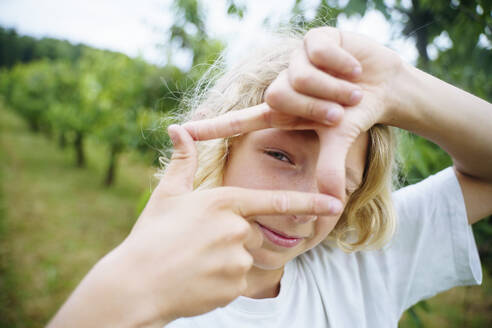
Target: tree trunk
[420, 20]
[34, 125]
[62, 140]
[111, 171]
[79, 149]
[47, 131]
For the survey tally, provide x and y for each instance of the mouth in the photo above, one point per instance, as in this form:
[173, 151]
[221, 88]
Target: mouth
[279, 238]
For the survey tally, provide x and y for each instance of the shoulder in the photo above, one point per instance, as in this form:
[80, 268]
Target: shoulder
[440, 187]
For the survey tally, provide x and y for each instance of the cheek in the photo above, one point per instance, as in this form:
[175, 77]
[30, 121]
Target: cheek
[322, 228]
[257, 174]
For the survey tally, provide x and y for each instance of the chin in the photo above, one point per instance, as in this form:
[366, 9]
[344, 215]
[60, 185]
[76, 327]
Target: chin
[268, 260]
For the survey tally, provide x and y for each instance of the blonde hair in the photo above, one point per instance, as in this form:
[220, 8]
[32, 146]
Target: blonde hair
[368, 220]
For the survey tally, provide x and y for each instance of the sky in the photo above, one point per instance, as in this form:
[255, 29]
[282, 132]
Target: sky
[137, 27]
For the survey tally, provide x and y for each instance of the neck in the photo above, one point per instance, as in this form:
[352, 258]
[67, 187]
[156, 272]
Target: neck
[263, 283]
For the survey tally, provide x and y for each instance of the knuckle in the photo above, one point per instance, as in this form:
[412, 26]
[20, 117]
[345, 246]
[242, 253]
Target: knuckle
[344, 91]
[315, 204]
[280, 202]
[232, 270]
[316, 53]
[241, 229]
[239, 265]
[300, 79]
[338, 92]
[311, 109]
[348, 62]
[247, 262]
[235, 125]
[219, 198]
[273, 96]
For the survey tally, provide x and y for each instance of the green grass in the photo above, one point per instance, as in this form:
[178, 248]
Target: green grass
[459, 307]
[56, 221]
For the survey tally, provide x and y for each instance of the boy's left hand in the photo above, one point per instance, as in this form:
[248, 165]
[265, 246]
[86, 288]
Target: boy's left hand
[332, 72]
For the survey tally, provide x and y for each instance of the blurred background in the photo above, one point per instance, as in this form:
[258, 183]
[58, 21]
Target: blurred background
[87, 87]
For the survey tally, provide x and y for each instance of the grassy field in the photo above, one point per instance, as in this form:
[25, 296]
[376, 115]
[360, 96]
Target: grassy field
[56, 221]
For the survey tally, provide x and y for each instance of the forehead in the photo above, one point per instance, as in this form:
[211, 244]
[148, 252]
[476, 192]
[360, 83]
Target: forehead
[309, 143]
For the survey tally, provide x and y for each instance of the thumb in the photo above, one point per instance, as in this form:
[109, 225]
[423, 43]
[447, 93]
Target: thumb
[336, 143]
[332, 171]
[180, 172]
[331, 162]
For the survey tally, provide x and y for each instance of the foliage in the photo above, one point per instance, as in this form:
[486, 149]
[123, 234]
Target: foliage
[189, 33]
[31, 92]
[55, 221]
[78, 93]
[464, 62]
[15, 48]
[102, 95]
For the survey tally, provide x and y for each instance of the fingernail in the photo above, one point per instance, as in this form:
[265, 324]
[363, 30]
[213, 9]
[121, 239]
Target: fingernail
[173, 134]
[313, 218]
[357, 71]
[355, 96]
[334, 114]
[336, 206]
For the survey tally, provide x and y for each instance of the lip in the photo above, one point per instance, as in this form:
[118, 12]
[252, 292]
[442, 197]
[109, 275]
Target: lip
[278, 238]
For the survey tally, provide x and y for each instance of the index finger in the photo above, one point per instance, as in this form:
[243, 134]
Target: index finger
[231, 123]
[324, 48]
[251, 202]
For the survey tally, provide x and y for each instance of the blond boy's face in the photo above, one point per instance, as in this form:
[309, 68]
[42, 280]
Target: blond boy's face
[288, 160]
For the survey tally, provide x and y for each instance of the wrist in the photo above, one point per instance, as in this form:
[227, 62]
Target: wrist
[134, 300]
[110, 296]
[402, 109]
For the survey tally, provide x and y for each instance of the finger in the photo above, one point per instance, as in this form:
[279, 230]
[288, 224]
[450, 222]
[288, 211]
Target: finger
[180, 173]
[283, 98]
[311, 81]
[249, 202]
[231, 123]
[324, 48]
[331, 163]
[254, 240]
[335, 144]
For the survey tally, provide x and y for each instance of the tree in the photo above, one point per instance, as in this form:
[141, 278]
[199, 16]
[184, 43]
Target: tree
[465, 62]
[16, 48]
[189, 33]
[30, 92]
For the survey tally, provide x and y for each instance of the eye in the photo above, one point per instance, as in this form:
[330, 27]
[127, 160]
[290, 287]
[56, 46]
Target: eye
[279, 155]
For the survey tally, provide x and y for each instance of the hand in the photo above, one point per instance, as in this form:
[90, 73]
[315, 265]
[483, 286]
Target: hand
[187, 254]
[332, 69]
[199, 242]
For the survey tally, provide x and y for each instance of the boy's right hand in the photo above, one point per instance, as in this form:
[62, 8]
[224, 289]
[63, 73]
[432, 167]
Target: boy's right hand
[187, 254]
[192, 248]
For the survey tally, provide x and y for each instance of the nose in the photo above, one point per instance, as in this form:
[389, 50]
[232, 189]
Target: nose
[308, 183]
[301, 219]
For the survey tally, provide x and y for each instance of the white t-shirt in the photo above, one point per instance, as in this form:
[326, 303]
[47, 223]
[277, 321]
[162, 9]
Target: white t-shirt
[433, 250]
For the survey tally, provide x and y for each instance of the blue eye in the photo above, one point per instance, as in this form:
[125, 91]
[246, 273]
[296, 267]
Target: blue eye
[279, 156]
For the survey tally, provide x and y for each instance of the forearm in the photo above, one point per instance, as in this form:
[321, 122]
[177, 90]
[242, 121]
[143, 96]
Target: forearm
[455, 120]
[104, 299]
